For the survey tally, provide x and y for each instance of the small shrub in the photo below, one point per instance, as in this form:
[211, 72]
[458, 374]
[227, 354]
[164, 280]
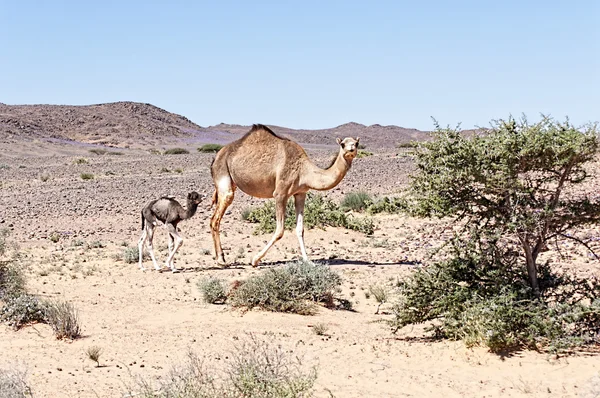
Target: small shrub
[165, 170]
[178, 170]
[44, 177]
[131, 255]
[4, 167]
[380, 293]
[210, 148]
[176, 151]
[264, 370]
[320, 329]
[356, 201]
[93, 353]
[62, 317]
[405, 145]
[212, 289]
[294, 287]
[257, 369]
[387, 205]
[96, 245]
[12, 280]
[13, 384]
[22, 310]
[54, 237]
[80, 161]
[86, 176]
[363, 154]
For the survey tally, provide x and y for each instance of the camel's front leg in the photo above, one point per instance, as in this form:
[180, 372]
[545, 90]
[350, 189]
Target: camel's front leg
[280, 202]
[299, 201]
[177, 242]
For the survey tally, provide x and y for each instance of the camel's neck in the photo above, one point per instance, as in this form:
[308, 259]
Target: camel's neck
[190, 210]
[324, 179]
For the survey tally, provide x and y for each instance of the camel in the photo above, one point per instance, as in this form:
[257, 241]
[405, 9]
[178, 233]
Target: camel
[170, 212]
[265, 165]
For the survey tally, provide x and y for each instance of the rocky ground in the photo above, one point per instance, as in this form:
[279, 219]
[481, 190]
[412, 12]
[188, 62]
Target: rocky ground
[72, 234]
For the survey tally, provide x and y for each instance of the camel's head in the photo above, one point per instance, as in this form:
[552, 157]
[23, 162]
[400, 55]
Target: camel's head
[195, 197]
[349, 147]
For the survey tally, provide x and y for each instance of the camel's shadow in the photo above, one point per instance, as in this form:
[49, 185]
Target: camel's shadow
[335, 262]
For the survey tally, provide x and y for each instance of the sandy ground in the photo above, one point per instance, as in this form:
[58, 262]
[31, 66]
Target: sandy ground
[147, 322]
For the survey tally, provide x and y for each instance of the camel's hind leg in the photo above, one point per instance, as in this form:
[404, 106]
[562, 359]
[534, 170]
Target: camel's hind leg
[299, 200]
[147, 237]
[177, 242]
[225, 190]
[141, 248]
[280, 203]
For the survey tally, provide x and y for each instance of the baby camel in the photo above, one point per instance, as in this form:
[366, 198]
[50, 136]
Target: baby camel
[170, 213]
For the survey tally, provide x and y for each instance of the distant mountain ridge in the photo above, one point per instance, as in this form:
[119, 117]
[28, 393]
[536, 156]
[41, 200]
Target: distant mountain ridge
[142, 125]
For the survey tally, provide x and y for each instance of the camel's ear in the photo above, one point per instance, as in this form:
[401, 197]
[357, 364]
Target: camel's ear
[338, 140]
[357, 140]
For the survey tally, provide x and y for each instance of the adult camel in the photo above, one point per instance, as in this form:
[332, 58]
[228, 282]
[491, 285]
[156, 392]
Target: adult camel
[265, 165]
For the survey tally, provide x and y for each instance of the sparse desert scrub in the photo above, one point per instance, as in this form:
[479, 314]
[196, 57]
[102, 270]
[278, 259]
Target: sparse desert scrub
[86, 176]
[356, 201]
[80, 161]
[363, 154]
[295, 287]
[391, 205]
[381, 295]
[64, 320]
[210, 148]
[13, 383]
[212, 289]
[257, 369]
[318, 212]
[23, 309]
[131, 255]
[176, 151]
[94, 353]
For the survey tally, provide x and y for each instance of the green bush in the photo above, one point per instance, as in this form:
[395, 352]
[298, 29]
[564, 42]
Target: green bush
[363, 154]
[387, 205]
[294, 287]
[86, 176]
[176, 151]
[12, 280]
[22, 310]
[356, 201]
[131, 255]
[212, 289]
[318, 212]
[480, 295]
[210, 148]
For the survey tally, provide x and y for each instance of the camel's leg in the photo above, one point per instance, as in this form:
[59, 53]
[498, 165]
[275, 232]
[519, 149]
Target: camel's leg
[178, 241]
[225, 193]
[280, 203]
[299, 200]
[141, 247]
[149, 239]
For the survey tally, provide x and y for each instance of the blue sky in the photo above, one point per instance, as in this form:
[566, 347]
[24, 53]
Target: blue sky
[309, 64]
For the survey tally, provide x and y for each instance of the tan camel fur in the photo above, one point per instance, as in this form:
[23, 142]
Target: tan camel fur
[265, 165]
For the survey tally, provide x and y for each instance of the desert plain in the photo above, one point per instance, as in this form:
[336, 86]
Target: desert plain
[71, 234]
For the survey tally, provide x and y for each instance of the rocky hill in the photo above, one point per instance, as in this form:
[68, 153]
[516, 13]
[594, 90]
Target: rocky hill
[119, 124]
[143, 126]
